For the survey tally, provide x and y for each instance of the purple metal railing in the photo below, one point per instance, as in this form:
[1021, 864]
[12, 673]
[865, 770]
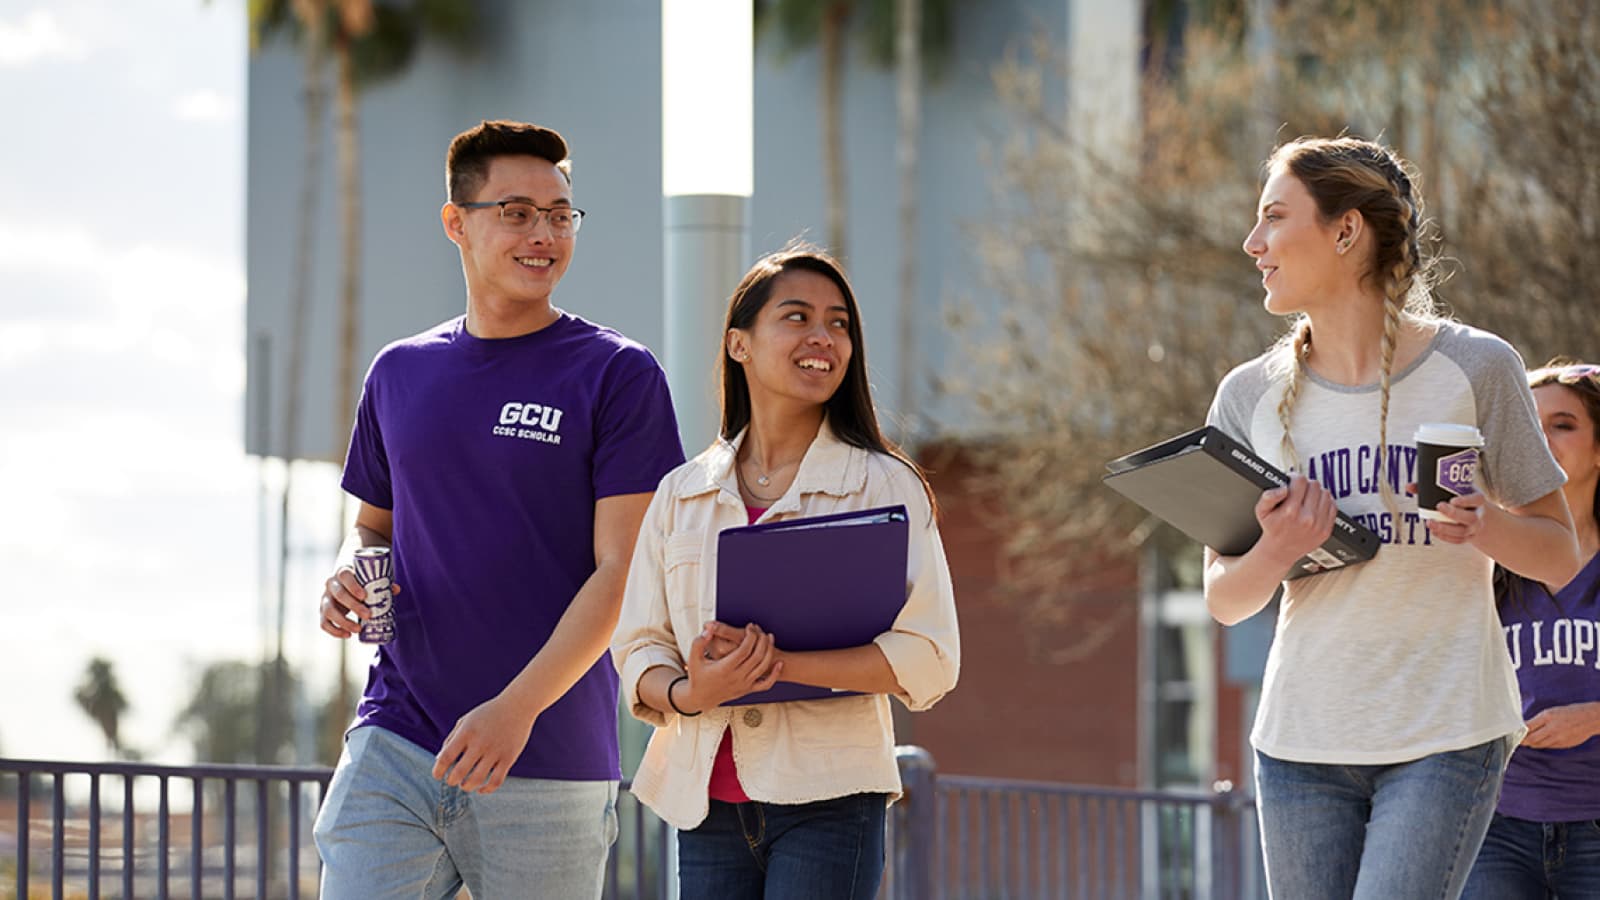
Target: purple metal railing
[145, 853]
[148, 860]
[969, 837]
[953, 837]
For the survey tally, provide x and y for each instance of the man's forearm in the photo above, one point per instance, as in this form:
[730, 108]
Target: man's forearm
[359, 536]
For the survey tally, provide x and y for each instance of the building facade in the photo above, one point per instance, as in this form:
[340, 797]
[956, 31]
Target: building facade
[1152, 705]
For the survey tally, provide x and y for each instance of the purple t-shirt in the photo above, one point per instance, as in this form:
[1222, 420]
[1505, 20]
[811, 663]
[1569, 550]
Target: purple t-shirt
[1555, 647]
[491, 455]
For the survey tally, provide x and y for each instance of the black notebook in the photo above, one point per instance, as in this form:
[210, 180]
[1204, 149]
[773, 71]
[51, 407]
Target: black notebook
[1206, 484]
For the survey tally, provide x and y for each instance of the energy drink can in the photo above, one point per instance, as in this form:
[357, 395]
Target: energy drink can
[375, 569]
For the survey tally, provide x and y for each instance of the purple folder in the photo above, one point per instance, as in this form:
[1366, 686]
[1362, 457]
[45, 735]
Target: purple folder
[817, 583]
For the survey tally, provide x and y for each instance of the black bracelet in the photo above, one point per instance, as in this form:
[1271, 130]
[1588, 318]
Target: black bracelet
[672, 703]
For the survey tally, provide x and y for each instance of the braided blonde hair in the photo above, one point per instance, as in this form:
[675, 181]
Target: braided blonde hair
[1344, 174]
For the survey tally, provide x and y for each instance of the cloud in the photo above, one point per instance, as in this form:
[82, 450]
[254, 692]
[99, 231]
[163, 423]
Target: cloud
[39, 36]
[205, 105]
[170, 302]
[131, 511]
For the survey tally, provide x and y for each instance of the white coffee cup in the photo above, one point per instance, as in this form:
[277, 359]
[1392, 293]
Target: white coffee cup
[1447, 464]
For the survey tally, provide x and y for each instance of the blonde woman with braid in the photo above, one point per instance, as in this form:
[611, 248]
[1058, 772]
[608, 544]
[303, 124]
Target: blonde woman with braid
[1389, 704]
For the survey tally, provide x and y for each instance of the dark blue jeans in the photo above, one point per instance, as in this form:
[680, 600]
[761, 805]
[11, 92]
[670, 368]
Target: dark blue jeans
[768, 851]
[1523, 860]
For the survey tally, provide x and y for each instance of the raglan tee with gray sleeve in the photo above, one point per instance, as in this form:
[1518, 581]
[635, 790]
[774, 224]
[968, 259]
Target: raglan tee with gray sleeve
[1402, 656]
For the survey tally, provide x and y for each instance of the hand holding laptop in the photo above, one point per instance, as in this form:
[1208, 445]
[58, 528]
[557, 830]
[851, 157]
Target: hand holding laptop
[1219, 492]
[1295, 519]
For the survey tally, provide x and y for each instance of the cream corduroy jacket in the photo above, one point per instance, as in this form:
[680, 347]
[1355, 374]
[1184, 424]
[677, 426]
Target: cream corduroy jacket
[795, 752]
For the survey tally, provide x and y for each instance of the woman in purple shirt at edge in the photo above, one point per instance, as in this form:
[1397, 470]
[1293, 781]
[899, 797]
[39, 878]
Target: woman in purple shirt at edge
[1544, 841]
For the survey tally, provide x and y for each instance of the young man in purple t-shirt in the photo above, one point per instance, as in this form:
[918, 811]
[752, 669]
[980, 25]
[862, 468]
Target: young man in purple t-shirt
[507, 457]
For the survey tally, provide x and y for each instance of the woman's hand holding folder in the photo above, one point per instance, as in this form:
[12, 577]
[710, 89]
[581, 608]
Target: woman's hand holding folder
[1295, 520]
[862, 669]
[723, 669]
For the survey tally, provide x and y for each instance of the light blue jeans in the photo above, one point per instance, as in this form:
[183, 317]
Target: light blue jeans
[389, 829]
[1407, 831]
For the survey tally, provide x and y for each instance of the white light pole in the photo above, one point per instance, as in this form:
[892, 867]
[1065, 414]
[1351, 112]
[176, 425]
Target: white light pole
[707, 176]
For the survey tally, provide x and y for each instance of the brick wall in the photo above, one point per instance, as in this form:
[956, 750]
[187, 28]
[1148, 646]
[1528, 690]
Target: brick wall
[1021, 710]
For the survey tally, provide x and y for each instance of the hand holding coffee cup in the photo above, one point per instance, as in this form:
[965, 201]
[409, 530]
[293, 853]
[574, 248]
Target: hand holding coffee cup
[1447, 465]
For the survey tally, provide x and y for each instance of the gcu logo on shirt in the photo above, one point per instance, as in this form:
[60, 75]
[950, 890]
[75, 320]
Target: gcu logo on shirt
[530, 421]
[545, 417]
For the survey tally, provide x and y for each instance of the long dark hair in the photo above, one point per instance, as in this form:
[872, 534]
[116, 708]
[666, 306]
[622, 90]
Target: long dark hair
[851, 412]
[1586, 388]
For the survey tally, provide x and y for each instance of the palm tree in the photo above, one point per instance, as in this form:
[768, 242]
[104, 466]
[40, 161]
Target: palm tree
[373, 43]
[101, 699]
[798, 24]
[903, 34]
[370, 43]
[309, 20]
[224, 716]
[908, 106]
[899, 33]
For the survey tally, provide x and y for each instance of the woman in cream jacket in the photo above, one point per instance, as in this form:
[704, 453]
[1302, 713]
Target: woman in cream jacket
[780, 800]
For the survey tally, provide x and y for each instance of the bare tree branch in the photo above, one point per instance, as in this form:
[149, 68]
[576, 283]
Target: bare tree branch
[1117, 293]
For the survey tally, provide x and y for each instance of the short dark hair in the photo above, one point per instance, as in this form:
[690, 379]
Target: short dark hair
[466, 164]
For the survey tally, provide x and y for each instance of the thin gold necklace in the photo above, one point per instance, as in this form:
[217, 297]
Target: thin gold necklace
[763, 477]
[738, 473]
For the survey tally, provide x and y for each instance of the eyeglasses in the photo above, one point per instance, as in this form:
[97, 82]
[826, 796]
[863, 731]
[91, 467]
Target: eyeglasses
[1567, 374]
[521, 217]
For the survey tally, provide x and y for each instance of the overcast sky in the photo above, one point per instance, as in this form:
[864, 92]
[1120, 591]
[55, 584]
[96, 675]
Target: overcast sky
[128, 509]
